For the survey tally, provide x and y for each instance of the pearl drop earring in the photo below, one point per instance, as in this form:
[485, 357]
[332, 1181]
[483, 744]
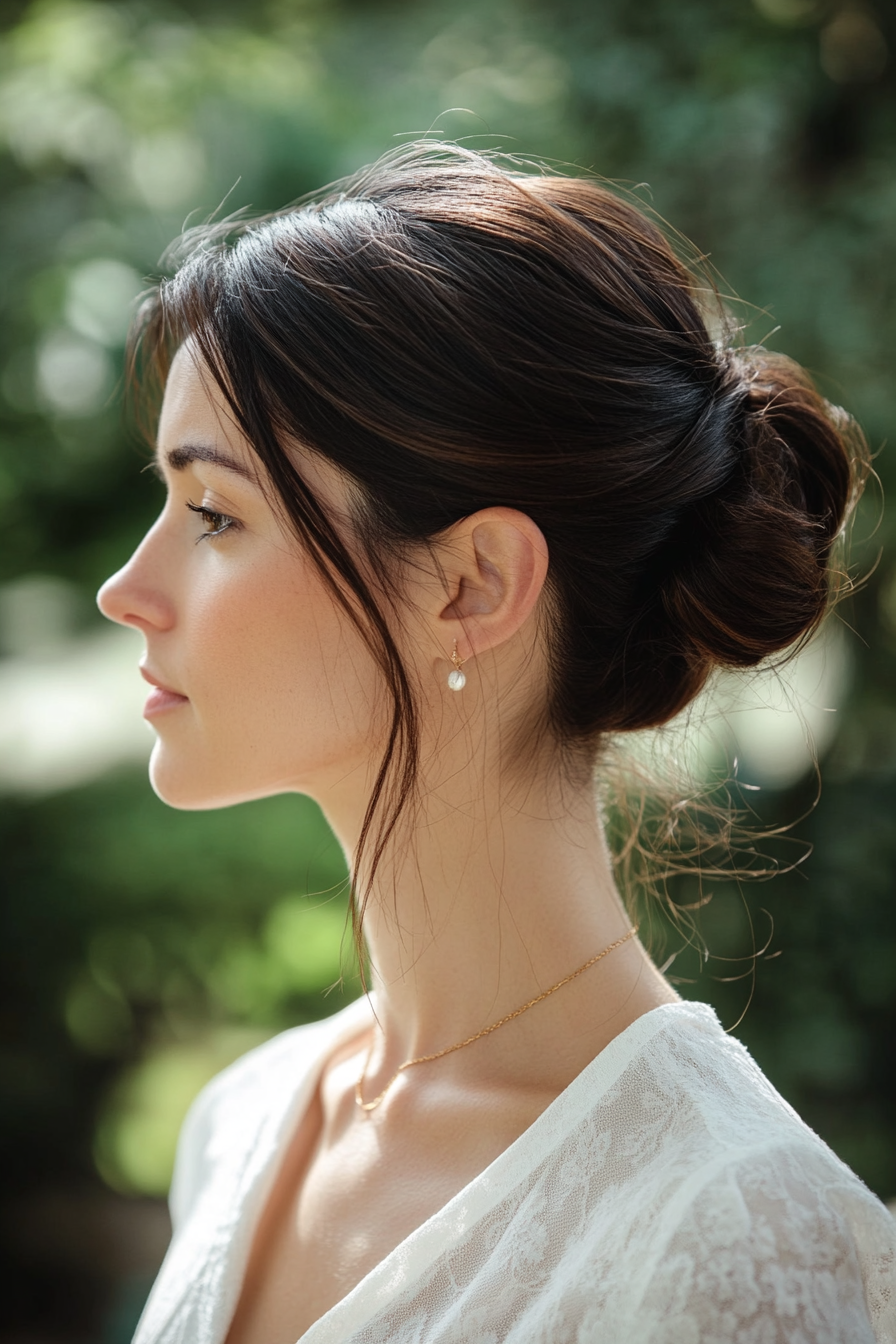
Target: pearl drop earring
[456, 679]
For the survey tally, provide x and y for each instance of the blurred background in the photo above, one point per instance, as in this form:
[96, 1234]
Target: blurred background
[142, 949]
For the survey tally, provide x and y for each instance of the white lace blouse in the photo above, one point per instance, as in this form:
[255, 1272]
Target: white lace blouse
[668, 1195]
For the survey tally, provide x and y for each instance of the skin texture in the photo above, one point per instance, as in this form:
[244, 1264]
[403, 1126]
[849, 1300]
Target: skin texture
[497, 884]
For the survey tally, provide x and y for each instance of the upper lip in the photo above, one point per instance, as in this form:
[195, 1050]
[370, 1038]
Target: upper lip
[154, 681]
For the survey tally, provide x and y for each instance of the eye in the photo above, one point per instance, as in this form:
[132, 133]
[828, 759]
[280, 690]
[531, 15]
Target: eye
[215, 523]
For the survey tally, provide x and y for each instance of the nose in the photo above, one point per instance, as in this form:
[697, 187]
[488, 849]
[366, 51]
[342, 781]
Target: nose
[136, 595]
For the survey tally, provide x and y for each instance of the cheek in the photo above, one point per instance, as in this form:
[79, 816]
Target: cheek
[281, 681]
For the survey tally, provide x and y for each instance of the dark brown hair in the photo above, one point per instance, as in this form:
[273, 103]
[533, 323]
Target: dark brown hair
[454, 334]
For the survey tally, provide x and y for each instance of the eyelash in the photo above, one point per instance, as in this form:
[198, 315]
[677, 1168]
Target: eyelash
[219, 523]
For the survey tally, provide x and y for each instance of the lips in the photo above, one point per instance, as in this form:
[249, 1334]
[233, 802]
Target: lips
[161, 697]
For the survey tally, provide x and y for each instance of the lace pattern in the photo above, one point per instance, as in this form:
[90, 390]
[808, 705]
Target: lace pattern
[669, 1196]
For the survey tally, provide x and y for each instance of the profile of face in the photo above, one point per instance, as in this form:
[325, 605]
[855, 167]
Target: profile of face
[261, 684]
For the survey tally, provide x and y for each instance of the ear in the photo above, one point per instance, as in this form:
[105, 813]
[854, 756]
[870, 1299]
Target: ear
[493, 566]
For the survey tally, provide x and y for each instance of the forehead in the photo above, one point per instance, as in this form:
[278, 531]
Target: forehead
[193, 398]
[196, 423]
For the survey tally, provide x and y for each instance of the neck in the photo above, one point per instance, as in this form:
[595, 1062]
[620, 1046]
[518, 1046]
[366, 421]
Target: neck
[488, 898]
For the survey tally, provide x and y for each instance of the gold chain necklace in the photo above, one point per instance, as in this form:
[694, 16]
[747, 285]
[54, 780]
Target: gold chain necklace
[486, 1031]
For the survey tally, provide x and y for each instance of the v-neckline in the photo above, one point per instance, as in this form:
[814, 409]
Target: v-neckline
[407, 1261]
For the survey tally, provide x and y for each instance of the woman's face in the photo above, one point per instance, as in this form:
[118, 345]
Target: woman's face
[260, 683]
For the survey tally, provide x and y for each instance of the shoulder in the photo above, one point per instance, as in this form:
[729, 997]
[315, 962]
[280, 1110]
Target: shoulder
[758, 1230]
[243, 1109]
[779, 1244]
[709, 1083]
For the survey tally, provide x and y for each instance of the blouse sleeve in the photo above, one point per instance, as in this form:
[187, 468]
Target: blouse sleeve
[192, 1159]
[786, 1247]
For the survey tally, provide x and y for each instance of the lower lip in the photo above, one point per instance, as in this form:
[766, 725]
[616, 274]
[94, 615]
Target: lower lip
[159, 701]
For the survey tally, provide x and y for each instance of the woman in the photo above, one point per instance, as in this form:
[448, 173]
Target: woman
[459, 485]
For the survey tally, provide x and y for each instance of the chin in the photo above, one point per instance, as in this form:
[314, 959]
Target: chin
[185, 797]
[190, 789]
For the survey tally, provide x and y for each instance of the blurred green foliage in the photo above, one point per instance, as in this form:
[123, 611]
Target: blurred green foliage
[140, 948]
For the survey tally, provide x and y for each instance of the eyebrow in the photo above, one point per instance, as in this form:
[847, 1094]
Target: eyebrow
[178, 459]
